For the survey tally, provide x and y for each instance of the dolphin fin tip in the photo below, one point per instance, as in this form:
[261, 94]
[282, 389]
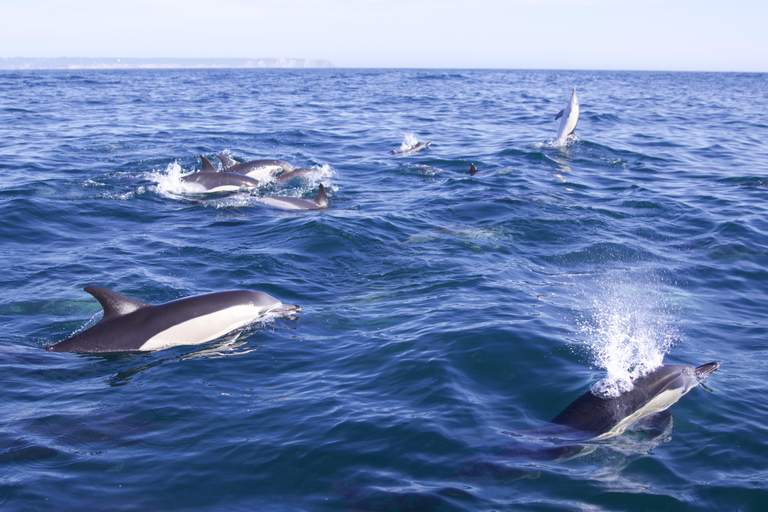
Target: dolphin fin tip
[207, 165]
[322, 198]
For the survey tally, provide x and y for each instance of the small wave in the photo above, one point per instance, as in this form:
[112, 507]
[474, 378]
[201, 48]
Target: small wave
[569, 141]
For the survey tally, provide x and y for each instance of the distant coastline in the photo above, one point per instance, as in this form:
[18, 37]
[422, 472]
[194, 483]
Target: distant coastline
[155, 63]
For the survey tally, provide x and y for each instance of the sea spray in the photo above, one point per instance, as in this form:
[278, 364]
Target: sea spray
[627, 334]
[409, 140]
[168, 181]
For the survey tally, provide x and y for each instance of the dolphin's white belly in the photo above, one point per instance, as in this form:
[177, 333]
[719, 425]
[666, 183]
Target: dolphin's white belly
[204, 328]
[659, 403]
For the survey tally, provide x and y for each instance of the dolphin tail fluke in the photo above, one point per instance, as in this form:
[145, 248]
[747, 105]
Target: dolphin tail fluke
[321, 199]
[113, 303]
[226, 162]
[207, 165]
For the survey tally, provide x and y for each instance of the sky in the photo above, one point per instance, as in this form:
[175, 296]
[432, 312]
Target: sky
[669, 35]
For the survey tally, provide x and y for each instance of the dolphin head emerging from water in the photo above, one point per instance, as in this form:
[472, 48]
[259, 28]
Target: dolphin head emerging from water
[651, 393]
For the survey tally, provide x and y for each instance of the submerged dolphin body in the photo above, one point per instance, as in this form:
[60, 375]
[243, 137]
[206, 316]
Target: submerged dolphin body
[130, 326]
[296, 173]
[213, 180]
[651, 393]
[296, 203]
[570, 115]
[411, 149]
[257, 169]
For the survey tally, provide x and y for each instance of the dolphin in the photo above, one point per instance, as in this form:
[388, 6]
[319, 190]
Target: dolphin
[213, 180]
[132, 326]
[591, 418]
[258, 169]
[650, 394]
[409, 150]
[296, 203]
[428, 169]
[570, 115]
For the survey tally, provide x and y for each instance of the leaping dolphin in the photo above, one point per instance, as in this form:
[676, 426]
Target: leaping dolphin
[130, 326]
[257, 169]
[213, 180]
[651, 393]
[296, 203]
[409, 150]
[570, 115]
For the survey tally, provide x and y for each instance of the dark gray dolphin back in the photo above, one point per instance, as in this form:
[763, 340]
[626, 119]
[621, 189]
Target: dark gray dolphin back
[231, 165]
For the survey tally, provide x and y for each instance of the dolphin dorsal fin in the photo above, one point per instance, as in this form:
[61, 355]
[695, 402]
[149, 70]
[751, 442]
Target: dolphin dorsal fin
[226, 162]
[321, 199]
[207, 165]
[559, 114]
[472, 169]
[113, 303]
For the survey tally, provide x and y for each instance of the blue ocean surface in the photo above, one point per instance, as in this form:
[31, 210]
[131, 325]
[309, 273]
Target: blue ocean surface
[444, 314]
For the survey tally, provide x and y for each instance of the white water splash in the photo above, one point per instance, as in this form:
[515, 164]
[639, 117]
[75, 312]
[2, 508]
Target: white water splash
[569, 141]
[409, 141]
[169, 182]
[628, 334]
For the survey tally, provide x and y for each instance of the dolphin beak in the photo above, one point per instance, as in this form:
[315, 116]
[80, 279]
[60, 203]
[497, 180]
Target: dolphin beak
[285, 309]
[705, 370]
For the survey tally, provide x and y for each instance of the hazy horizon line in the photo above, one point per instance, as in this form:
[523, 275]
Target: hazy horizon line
[107, 63]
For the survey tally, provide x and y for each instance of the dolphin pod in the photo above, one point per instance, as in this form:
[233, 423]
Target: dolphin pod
[129, 325]
[213, 180]
[570, 116]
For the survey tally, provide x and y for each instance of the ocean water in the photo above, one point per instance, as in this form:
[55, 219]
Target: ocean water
[444, 314]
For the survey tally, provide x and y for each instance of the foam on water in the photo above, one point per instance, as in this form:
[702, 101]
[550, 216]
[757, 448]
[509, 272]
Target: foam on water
[627, 335]
[553, 143]
[169, 184]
